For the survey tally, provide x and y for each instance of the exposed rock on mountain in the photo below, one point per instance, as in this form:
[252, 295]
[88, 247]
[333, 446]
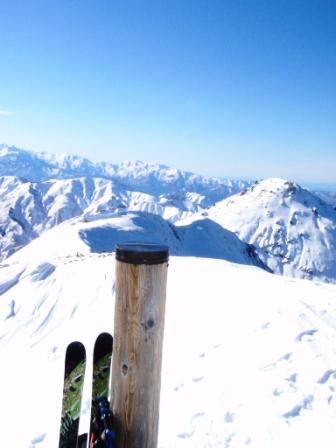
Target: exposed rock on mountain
[293, 230]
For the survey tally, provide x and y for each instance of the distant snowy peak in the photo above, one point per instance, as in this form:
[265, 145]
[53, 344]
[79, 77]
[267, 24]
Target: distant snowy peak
[279, 193]
[37, 167]
[293, 230]
[148, 178]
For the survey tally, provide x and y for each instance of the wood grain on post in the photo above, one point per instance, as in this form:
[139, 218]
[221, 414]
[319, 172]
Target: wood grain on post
[141, 278]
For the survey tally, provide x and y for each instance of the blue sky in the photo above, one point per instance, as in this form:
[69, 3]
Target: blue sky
[221, 87]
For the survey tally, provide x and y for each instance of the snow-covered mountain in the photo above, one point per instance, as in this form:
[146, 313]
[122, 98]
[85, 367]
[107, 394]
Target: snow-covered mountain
[101, 234]
[293, 230]
[248, 357]
[39, 191]
[148, 178]
[30, 208]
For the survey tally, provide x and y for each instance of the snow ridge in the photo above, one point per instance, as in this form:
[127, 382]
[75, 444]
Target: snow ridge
[101, 233]
[30, 208]
[293, 230]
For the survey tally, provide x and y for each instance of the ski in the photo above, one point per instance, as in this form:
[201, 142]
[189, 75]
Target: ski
[74, 371]
[101, 435]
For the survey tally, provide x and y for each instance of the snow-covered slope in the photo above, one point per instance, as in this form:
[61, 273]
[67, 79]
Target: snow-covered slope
[39, 191]
[327, 196]
[92, 234]
[148, 178]
[30, 208]
[293, 230]
[248, 359]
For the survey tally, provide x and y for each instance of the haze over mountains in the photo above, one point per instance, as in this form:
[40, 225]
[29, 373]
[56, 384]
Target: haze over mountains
[292, 230]
[132, 175]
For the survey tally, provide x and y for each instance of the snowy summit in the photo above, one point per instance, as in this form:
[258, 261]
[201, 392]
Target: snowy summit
[293, 230]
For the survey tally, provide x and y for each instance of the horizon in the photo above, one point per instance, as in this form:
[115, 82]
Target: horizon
[224, 88]
[310, 185]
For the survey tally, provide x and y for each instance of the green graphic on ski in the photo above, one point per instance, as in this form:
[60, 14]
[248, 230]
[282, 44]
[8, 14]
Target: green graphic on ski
[102, 354]
[74, 371]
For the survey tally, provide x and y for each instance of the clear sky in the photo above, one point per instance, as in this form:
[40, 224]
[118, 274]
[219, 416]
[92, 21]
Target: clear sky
[238, 88]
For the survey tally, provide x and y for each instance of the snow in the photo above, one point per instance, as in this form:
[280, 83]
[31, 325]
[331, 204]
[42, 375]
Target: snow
[293, 231]
[100, 234]
[30, 208]
[327, 196]
[249, 358]
[149, 178]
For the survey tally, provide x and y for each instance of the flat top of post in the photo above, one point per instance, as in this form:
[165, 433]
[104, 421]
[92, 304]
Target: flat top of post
[142, 253]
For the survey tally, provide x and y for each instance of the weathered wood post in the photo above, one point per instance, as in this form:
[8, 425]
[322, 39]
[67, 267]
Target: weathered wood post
[141, 278]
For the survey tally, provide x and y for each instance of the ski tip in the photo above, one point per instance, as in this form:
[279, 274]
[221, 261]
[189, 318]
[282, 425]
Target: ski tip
[75, 354]
[103, 346]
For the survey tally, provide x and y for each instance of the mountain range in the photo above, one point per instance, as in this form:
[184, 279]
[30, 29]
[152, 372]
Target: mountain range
[284, 227]
[147, 178]
[248, 356]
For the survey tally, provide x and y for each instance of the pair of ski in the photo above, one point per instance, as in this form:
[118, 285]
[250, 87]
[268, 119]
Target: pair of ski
[101, 435]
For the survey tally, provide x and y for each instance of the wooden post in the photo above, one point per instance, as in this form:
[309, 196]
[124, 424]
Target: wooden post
[141, 278]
